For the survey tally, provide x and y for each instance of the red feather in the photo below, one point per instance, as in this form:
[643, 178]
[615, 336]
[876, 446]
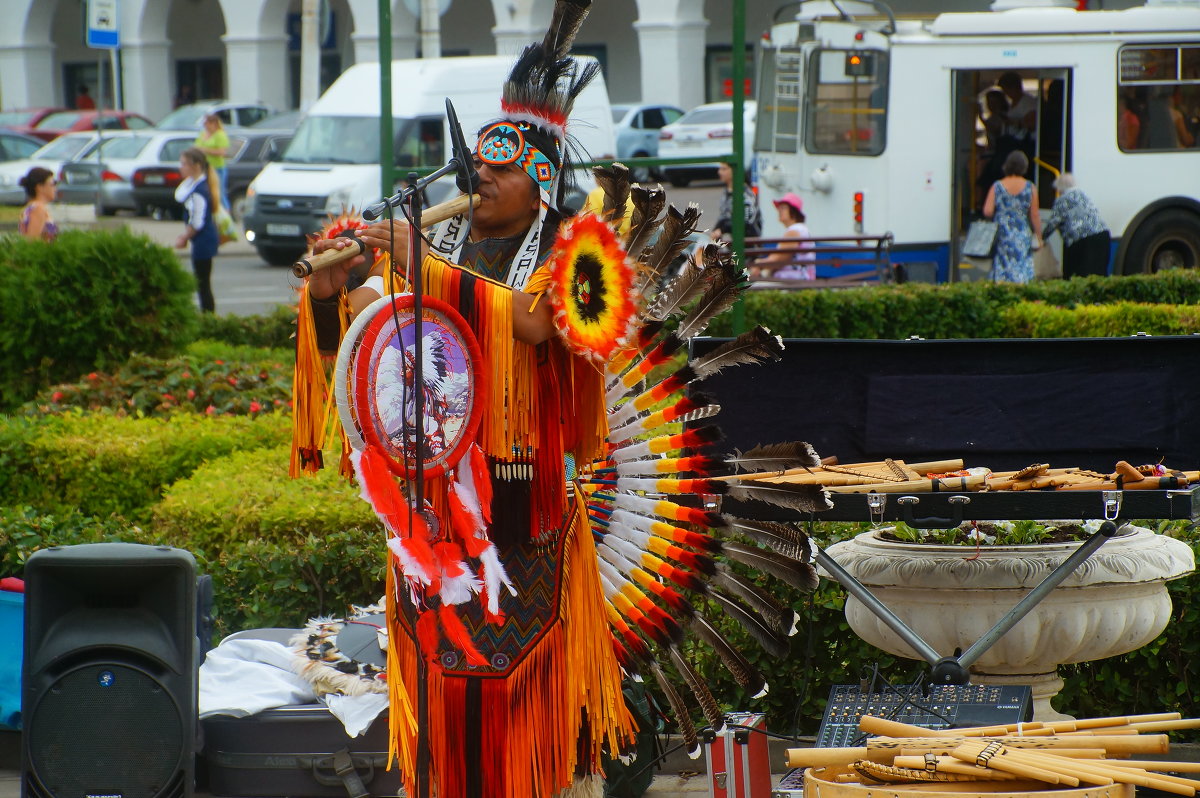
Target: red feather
[449, 558]
[458, 636]
[483, 481]
[428, 637]
[462, 522]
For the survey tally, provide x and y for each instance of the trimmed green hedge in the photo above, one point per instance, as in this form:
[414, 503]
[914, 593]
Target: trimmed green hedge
[256, 583]
[958, 310]
[276, 330]
[249, 495]
[84, 303]
[101, 464]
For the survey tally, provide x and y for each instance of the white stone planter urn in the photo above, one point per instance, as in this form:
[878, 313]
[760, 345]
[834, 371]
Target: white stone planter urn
[1116, 601]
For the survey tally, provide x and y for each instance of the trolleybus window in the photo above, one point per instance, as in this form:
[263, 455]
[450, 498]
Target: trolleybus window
[847, 102]
[778, 126]
[1158, 98]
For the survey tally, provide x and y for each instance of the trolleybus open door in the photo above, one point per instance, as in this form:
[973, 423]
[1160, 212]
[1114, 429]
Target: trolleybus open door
[985, 132]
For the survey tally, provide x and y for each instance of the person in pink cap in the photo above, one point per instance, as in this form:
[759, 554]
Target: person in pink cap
[790, 261]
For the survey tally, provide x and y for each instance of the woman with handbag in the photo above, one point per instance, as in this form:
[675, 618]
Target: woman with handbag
[198, 196]
[1012, 202]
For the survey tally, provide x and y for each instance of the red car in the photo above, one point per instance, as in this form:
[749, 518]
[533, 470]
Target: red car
[24, 120]
[54, 125]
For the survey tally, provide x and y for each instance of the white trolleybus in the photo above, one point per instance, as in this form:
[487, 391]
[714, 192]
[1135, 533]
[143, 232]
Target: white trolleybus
[883, 125]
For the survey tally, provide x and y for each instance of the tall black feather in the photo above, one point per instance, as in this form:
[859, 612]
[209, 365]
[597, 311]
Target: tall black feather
[568, 17]
[681, 290]
[800, 575]
[799, 498]
[671, 241]
[751, 346]
[744, 673]
[679, 709]
[708, 704]
[779, 617]
[772, 642]
[776, 457]
[786, 539]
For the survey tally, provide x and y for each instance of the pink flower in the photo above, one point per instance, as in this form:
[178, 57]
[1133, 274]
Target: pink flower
[210, 410]
[278, 402]
[191, 393]
[255, 407]
[232, 380]
[168, 397]
[186, 375]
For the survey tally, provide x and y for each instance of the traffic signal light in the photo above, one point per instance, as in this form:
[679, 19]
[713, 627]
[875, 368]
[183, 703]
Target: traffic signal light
[858, 211]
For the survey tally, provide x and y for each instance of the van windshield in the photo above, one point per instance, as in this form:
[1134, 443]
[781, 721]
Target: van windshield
[339, 139]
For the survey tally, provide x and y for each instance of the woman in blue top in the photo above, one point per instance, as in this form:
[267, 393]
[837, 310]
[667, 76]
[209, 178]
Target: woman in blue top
[1086, 239]
[198, 195]
[1012, 202]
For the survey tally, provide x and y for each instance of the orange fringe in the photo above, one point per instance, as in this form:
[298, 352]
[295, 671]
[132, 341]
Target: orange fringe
[531, 720]
[314, 412]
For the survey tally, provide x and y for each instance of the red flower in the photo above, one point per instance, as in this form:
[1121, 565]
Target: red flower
[191, 393]
[278, 402]
[210, 410]
[232, 380]
[58, 395]
[168, 398]
[219, 362]
[255, 407]
[93, 376]
[186, 374]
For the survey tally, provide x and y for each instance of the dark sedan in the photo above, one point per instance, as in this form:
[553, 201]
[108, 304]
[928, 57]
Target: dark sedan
[154, 186]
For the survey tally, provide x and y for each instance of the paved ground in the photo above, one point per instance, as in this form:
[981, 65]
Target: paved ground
[680, 776]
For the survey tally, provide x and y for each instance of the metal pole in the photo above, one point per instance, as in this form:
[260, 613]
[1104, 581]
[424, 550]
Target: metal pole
[738, 220]
[387, 159]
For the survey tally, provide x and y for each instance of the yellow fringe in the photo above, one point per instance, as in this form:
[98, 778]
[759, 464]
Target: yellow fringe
[402, 723]
[310, 392]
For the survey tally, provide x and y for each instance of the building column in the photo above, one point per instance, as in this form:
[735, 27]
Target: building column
[18, 64]
[143, 67]
[365, 18]
[672, 61]
[260, 64]
[519, 23]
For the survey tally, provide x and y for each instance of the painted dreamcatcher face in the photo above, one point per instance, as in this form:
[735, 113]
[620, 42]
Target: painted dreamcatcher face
[378, 393]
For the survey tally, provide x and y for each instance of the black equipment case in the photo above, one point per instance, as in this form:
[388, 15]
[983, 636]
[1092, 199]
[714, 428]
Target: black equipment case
[296, 752]
[1003, 404]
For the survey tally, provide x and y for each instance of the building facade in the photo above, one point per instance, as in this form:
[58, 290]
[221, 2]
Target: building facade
[668, 51]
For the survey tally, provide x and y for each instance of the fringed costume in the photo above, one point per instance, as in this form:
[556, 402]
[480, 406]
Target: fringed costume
[565, 526]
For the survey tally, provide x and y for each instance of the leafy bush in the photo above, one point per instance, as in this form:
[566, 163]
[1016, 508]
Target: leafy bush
[256, 583]
[100, 464]
[84, 303]
[248, 495]
[958, 310]
[1039, 320]
[275, 330]
[259, 382]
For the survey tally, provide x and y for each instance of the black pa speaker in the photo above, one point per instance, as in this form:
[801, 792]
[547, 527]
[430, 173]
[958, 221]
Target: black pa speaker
[109, 701]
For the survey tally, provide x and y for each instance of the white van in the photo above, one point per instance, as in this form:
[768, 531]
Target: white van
[332, 162]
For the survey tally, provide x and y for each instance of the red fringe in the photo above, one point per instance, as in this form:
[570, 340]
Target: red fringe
[483, 481]
[428, 636]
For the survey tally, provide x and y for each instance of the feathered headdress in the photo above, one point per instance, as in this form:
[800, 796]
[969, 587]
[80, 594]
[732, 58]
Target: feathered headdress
[531, 132]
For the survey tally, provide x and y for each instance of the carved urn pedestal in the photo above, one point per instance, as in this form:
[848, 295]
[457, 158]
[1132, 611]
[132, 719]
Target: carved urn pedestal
[1116, 601]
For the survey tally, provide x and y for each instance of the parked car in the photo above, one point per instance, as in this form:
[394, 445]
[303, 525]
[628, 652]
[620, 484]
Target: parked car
[23, 120]
[704, 130]
[14, 146]
[637, 129]
[288, 120]
[104, 173]
[154, 185]
[56, 124]
[51, 156]
[233, 115]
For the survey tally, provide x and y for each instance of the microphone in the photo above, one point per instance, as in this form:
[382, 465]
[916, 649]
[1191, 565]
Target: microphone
[467, 178]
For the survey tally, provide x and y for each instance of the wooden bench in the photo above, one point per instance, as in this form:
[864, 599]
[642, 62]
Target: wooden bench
[873, 253]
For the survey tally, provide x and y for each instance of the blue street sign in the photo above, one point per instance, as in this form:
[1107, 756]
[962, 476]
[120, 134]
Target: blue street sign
[103, 31]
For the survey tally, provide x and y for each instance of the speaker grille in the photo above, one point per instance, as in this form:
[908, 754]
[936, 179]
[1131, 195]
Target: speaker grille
[105, 729]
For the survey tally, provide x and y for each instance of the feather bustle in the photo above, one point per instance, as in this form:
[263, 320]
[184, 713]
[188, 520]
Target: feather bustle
[771, 641]
[708, 704]
[679, 709]
[800, 575]
[744, 673]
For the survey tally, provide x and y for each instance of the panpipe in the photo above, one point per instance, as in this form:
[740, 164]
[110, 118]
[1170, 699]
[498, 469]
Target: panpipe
[896, 476]
[1061, 758]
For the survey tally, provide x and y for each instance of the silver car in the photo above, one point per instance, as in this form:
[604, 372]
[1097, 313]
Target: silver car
[104, 174]
[637, 129]
[51, 156]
